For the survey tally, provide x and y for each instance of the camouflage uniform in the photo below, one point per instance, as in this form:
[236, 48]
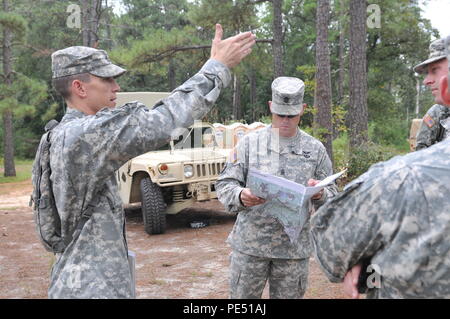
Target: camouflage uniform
[397, 216]
[434, 128]
[87, 150]
[261, 248]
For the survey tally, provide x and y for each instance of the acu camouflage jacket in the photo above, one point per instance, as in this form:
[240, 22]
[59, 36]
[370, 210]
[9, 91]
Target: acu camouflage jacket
[85, 153]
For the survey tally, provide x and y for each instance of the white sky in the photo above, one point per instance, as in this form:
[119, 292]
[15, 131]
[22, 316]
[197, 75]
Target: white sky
[438, 12]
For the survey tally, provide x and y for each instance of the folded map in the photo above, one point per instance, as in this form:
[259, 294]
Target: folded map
[285, 198]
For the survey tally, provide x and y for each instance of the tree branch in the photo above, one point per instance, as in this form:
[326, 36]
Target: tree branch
[148, 58]
[258, 1]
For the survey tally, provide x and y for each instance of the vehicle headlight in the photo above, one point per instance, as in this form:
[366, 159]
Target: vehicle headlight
[188, 171]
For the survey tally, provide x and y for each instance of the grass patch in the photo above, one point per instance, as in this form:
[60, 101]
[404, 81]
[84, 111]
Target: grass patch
[23, 171]
[363, 157]
[10, 208]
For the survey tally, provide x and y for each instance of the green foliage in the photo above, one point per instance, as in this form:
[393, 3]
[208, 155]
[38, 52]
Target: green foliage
[391, 132]
[340, 152]
[143, 41]
[14, 22]
[307, 74]
[392, 51]
[234, 16]
[338, 118]
[368, 154]
[266, 119]
[50, 112]
[365, 156]
[321, 133]
[362, 157]
[154, 47]
[22, 95]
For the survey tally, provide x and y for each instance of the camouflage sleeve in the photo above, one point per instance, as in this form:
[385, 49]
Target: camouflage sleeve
[428, 132]
[358, 222]
[343, 233]
[233, 178]
[324, 169]
[113, 136]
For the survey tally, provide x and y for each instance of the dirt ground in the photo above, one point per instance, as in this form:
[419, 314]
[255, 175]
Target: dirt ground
[182, 263]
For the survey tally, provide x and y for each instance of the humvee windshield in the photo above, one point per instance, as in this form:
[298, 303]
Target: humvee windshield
[195, 137]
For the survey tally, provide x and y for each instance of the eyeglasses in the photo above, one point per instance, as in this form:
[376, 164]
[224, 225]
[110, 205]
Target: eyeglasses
[288, 116]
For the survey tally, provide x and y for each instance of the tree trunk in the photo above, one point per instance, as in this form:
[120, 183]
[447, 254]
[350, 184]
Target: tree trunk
[341, 73]
[171, 75]
[85, 22]
[357, 114]
[342, 62]
[416, 113]
[8, 134]
[95, 21]
[108, 42]
[237, 98]
[277, 45]
[252, 80]
[90, 17]
[322, 120]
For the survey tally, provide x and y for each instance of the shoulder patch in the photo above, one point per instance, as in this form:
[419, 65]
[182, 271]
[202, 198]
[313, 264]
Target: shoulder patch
[428, 120]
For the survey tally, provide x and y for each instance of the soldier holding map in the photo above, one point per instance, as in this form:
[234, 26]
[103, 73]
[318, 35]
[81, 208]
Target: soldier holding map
[262, 250]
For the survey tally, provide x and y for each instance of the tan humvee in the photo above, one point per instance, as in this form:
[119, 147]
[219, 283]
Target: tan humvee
[415, 125]
[170, 179]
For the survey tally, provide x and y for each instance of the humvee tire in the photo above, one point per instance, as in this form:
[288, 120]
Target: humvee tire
[153, 207]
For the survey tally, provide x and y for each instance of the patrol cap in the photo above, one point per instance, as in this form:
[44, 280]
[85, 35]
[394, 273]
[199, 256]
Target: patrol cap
[287, 95]
[437, 52]
[80, 59]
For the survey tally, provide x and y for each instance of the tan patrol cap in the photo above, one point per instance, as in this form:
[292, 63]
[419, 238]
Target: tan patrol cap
[287, 95]
[80, 59]
[437, 52]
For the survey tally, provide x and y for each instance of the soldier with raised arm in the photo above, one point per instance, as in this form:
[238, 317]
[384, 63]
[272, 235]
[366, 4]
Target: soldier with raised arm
[95, 138]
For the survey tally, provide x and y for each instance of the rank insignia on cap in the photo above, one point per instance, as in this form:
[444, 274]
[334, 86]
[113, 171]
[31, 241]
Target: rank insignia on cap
[428, 120]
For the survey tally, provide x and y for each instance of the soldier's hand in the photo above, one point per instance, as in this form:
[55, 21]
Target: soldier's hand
[248, 199]
[231, 50]
[313, 182]
[350, 284]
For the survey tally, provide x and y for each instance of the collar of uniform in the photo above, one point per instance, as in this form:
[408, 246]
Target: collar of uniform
[275, 146]
[72, 114]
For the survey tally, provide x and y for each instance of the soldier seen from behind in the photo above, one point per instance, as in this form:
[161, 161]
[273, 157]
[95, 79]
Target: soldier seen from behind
[393, 223]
